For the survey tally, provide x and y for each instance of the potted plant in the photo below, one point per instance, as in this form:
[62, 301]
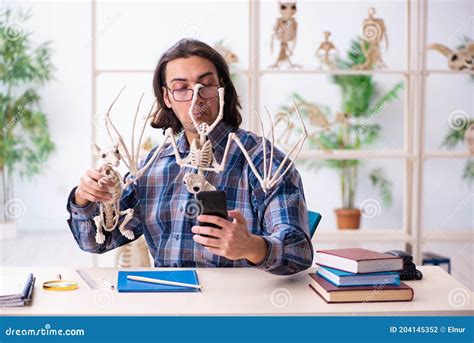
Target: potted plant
[352, 129]
[25, 142]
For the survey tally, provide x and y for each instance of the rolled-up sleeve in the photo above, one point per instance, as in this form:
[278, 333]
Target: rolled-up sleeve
[82, 226]
[283, 218]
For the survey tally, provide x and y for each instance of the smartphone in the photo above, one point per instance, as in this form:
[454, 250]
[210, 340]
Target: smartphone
[214, 204]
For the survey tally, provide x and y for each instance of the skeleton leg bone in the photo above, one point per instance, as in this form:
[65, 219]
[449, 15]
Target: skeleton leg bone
[128, 216]
[99, 236]
[218, 168]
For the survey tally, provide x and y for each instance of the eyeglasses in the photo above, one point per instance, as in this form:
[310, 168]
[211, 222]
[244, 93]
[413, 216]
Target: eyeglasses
[205, 92]
[284, 7]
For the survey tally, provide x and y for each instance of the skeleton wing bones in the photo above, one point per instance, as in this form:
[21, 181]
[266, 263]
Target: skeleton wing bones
[201, 158]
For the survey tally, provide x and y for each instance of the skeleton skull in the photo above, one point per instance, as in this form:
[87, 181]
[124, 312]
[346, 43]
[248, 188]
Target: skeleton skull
[203, 129]
[461, 59]
[110, 155]
[196, 183]
[287, 10]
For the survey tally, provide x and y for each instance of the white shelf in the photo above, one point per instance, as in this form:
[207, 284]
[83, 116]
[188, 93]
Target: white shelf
[336, 71]
[381, 235]
[447, 154]
[124, 71]
[306, 71]
[151, 71]
[466, 235]
[355, 154]
[382, 154]
[361, 235]
[448, 71]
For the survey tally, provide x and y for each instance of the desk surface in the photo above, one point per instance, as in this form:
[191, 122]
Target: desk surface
[235, 291]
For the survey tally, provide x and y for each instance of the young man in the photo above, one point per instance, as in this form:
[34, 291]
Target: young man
[268, 230]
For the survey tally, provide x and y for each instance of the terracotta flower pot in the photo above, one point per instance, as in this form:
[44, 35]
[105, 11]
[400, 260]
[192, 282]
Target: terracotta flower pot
[348, 218]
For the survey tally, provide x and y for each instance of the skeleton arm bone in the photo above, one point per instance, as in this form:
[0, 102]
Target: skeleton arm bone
[218, 168]
[221, 110]
[193, 103]
[168, 134]
[127, 160]
[131, 161]
[270, 179]
[182, 162]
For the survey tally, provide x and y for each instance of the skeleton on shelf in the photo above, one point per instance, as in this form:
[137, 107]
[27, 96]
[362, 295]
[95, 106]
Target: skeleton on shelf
[327, 52]
[373, 34]
[317, 119]
[285, 31]
[462, 59]
[229, 56]
[200, 158]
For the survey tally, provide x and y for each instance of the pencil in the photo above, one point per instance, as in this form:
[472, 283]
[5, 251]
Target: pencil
[161, 282]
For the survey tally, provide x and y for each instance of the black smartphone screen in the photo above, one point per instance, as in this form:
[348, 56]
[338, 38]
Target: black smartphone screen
[213, 203]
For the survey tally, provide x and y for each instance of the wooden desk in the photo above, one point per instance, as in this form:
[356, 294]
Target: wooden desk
[236, 291]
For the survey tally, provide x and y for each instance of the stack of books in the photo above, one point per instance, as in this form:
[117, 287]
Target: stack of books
[14, 292]
[358, 275]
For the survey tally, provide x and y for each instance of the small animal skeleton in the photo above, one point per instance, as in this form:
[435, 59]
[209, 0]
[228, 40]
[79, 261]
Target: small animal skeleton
[373, 34]
[229, 56]
[202, 159]
[285, 31]
[317, 118]
[109, 214]
[462, 59]
[327, 52]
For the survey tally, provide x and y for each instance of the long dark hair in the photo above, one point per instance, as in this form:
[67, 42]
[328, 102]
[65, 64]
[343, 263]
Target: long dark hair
[183, 49]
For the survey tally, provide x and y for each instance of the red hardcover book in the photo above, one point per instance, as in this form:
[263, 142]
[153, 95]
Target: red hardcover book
[349, 294]
[358, 260]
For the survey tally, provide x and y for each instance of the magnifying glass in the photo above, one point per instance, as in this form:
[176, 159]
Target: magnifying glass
[60, 285]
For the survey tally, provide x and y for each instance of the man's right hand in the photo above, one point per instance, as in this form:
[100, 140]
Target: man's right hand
[89, 189]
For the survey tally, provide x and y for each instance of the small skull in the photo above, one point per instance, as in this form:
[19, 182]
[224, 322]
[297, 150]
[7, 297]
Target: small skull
[196, 183]
[110, 155]
[203, 128]
[287, 9]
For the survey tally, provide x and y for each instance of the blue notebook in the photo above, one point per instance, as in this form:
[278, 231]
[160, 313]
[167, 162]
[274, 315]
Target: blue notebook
[185, 276]
[343, 278]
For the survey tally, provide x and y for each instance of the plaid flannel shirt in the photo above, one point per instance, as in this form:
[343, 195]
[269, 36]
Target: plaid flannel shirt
[160, 201]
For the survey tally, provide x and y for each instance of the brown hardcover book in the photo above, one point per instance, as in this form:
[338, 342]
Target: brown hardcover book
[358, 260]
[349, 294]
